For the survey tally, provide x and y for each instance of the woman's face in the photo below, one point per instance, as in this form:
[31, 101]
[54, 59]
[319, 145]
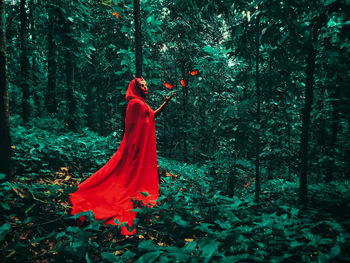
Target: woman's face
[142, 85]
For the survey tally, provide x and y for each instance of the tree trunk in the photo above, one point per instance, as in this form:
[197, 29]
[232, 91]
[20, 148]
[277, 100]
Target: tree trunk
[257, 84]
[309, 87]
[138, 39]
[185, 100]
[34, 77]
[69, 68]
[310, 69]
[91, 95]
[90, 106]
[164, 134]
[289, 152]
[334, 134]
[24, 63]
[347, 152]
[50, 96]
[5, 142]
[101, 111]
[269, 171]
[322, 131]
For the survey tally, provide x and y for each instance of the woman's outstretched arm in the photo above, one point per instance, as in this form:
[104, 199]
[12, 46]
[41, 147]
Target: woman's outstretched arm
[166, 100]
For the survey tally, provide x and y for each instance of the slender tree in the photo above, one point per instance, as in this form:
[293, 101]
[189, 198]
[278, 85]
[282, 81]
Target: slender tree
[34, 82]
[5, 141]
[138, 38]
[310, 69]
[69, 71]
[257, 84]
[91, 96]
[184, 125]
[334, 129]
[101, 97]
[289, 152]
[50, 96]
[309, 89]
[24, 62]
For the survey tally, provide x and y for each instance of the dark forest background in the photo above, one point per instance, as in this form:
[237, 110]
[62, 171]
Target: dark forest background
[253, 154]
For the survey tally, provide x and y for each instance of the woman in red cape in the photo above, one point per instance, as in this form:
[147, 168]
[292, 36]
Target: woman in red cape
[131, 171]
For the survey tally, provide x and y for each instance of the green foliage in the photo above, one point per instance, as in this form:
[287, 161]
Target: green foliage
[194, 221]
[206, 137]
[46, 142]
[4, 230]
[218, 107]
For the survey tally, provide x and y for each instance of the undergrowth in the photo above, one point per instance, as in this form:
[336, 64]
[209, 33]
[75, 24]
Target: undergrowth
[195, 220]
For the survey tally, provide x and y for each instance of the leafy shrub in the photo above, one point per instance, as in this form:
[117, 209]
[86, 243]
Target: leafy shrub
[195, 220]
[45, 143]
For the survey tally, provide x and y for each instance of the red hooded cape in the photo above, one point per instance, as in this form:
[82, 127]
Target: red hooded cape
[131, 170]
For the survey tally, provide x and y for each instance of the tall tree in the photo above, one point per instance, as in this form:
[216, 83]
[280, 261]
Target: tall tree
[91, 96]
[185, 102]
[34, 79]
[309, 89]
[310, 69]
[257, 84]
[334, 129]
[138, 38]
[5, 142]
[69, 72]
[50, 96]
[24, 62]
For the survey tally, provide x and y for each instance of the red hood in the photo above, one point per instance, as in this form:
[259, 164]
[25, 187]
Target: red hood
[133, 91]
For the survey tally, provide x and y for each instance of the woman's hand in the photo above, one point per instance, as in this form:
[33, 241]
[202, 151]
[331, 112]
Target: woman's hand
[167, 99]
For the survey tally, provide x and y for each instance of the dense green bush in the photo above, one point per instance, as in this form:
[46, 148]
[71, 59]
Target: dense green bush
[47, 142]
[196, 220]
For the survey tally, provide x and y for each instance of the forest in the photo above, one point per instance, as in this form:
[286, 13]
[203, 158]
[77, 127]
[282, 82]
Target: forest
[253, 150]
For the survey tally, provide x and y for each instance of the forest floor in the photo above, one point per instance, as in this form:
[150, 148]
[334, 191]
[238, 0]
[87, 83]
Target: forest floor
[195, 221]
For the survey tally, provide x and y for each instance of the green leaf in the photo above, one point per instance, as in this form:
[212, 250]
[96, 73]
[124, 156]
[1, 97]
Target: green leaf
[295, 244]
[61, 234]
[128, 255]
[208, 248]
[144, 194]
[124, 62]
[5, 206]
[110, 257]
[178, 220]
[88, 260]
[323, 258]
[149, 19]
[177, 253]
[147, 245]
[4, 230]
[328, 2]
[335, 251]
[149, 257]
[39, 239]
[2, 176]
[27, 220]
[124, 29]
[190, 246]
[204, 227]
[73, 229]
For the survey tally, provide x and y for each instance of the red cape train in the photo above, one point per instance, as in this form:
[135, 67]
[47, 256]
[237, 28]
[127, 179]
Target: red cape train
[131, 170]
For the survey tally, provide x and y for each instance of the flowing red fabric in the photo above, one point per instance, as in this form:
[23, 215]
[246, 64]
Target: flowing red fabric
[131, 170]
